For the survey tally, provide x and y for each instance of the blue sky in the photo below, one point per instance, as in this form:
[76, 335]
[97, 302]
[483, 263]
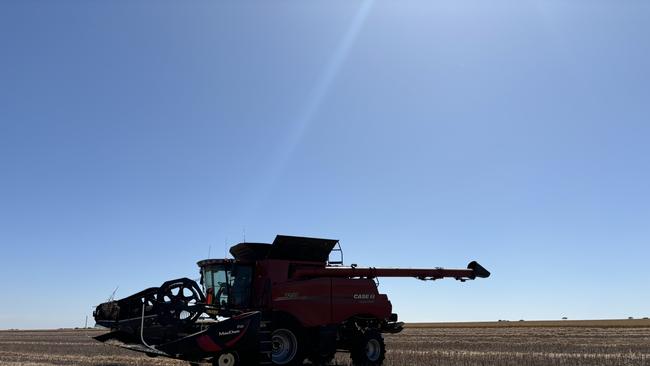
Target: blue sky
[135, 136]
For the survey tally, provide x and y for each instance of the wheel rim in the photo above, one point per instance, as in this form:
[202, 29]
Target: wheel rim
[373, 350]
[285, 346]
[227, 359]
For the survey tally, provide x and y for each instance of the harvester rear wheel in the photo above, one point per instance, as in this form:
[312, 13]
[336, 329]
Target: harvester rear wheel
[368, 349]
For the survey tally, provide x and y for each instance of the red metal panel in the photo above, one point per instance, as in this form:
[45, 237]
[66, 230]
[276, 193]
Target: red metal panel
[308, 301]
[355, 297]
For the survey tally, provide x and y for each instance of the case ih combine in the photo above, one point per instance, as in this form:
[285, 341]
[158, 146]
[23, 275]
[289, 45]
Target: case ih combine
[275, 304]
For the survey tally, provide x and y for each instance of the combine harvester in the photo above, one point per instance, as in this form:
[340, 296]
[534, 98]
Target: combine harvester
[273, 304]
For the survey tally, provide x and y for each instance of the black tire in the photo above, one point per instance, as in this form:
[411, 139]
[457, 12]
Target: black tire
[288, 348]
[368, 349]
[226, 359]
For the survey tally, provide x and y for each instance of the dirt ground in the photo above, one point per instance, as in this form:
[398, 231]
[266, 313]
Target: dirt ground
[453, 346]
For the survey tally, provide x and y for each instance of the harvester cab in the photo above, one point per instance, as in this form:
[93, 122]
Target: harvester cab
[279, 303]
[227, 284]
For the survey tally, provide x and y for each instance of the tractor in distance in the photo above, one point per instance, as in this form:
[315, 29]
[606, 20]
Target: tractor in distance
[274, 304]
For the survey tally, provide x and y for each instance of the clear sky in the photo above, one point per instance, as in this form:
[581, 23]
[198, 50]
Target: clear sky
[137, 135]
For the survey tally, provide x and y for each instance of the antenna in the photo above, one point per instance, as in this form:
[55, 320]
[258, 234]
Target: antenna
[112, 295]
[244, 234]
[225, 246]
[209, 250]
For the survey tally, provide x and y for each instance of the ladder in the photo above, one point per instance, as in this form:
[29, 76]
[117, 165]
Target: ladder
[266, 345]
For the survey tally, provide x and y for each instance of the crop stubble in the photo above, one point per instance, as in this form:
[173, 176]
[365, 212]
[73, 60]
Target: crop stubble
[444, 346]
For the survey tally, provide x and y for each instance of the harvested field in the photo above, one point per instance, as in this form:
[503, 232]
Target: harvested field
[417, 345]
[520, 346]
[607, 323]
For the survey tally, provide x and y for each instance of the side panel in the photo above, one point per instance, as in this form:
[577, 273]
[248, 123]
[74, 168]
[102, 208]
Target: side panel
[352, 297]
[307, 300]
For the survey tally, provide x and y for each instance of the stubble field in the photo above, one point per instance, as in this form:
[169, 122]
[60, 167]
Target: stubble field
[626, 343]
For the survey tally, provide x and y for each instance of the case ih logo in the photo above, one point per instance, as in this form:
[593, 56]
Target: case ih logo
[363, 296]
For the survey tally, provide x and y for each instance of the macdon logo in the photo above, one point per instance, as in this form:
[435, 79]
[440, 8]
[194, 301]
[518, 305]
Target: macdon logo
[229, 332]
[363, 296]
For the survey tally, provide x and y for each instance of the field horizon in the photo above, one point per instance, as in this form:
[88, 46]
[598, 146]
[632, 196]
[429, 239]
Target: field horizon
[541, 323]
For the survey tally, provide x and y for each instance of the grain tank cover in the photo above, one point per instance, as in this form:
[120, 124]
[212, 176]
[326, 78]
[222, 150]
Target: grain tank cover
[298, 248]
[250, 252]
[293, 248]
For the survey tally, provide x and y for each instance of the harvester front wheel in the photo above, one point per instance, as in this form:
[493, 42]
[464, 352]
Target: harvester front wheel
[286, 347]
[369, 349]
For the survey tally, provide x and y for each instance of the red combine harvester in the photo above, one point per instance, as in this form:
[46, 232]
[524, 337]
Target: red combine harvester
[276, 304]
